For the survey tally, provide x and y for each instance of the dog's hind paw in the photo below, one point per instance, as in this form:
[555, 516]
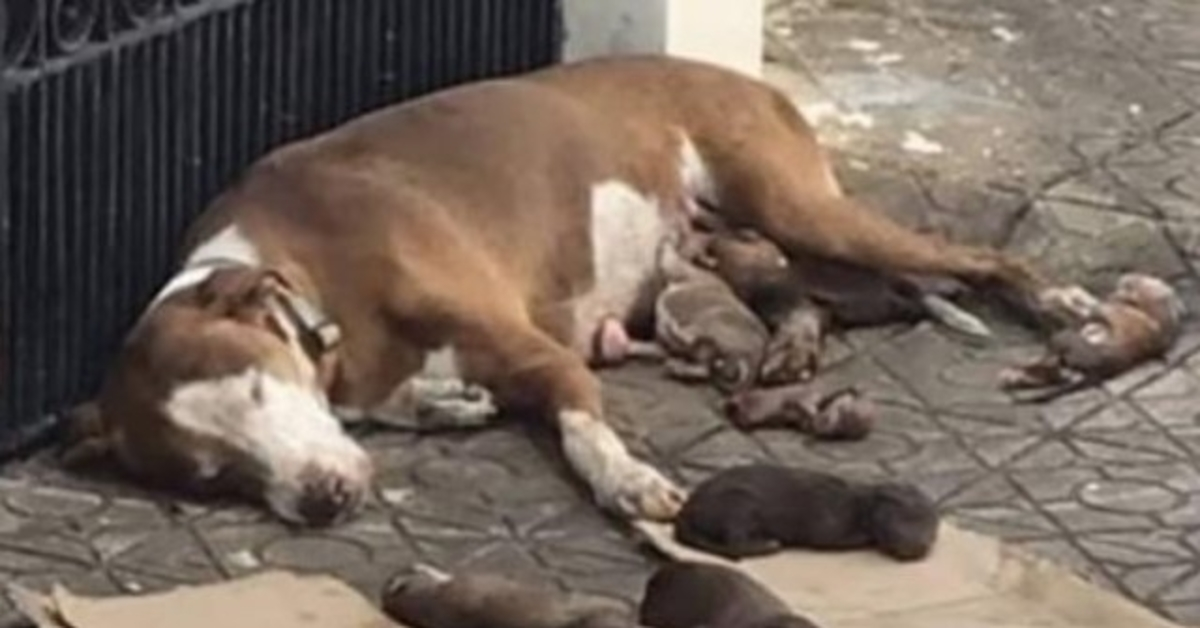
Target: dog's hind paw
[475, 410]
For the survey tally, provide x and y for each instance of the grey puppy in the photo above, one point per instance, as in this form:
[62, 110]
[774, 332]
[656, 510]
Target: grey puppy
[690, 595]
[427, 598]
[707, 330]
[759, 509]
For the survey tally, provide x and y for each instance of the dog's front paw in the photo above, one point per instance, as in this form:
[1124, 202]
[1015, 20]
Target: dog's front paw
[640, 491]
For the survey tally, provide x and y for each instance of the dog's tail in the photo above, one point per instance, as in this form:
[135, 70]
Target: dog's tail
[951, 315]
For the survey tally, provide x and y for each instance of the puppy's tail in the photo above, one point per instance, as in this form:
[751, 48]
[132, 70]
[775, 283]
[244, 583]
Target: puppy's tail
[947, 313]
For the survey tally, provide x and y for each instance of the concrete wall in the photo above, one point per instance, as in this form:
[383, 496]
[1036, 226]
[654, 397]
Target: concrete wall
[726, 32]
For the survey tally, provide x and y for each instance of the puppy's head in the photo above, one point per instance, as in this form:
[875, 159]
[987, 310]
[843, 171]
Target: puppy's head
[848, 416]
[903, 521]
[1151, 295]
[745, 259]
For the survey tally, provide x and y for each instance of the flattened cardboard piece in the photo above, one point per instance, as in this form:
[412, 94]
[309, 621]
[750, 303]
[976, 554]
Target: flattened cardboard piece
[276, 599]
[968, 581]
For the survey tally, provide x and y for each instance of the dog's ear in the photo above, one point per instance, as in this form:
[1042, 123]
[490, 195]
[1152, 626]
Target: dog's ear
[241, 293]
[88, 439]
[233, 288]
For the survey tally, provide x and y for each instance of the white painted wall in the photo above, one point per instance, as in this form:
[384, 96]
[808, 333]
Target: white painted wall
[725, 32]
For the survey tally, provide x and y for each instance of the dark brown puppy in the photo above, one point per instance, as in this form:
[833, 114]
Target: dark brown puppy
[427, 598]
[689, 595]
[842, 414]
[1138, 322]
[759, 509]
[799, 297]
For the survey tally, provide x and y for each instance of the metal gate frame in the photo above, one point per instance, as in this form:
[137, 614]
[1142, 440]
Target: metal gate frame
[120, 119]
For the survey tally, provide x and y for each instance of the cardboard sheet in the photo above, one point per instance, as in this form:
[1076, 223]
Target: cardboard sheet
[276, 599]
[969, 581]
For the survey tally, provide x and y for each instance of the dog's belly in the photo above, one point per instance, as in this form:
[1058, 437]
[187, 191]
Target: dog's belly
[627, 231]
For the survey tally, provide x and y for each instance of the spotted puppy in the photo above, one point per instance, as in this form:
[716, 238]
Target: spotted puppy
[427, 598]
[1137, 322]
[758, 509]
[689, 595]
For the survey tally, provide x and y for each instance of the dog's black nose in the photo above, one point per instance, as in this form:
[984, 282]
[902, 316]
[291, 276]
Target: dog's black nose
[324, 501]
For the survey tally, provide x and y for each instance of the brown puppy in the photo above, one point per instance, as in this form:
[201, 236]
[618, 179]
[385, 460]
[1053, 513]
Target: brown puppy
[688, 595]
[428, 598]
[1139, 321]
[799, 297]
[840, 415]
[759, 509]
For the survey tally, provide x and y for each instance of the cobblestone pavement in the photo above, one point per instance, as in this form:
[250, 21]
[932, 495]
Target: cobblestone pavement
[1067, 130]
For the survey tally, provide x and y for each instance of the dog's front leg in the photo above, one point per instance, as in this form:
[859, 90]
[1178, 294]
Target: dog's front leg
[533, 371]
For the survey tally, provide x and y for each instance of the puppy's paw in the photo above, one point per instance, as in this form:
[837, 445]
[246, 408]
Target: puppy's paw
[1017, 378]
[1068, 305]
[639, 491]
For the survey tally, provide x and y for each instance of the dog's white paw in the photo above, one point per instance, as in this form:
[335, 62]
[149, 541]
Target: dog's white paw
[468, 406]
[639, 491]
[437, 404]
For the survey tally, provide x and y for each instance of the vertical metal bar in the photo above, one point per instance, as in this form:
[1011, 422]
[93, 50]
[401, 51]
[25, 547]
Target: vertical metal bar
[7, 329]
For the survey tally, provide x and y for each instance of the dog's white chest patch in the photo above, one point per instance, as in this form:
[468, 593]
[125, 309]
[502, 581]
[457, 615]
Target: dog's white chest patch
[627, 230]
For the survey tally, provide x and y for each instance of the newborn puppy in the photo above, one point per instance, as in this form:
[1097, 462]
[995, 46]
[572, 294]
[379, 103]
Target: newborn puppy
[841, 415]
[703, 325]
[427, 598]
[690, 595]
[799, 295]
[759, 272]
[1139, 321]
[759, 509]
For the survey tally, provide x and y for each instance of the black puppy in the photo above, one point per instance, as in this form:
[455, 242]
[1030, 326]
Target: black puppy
[758, 509]
[427, 598]
[690, 595]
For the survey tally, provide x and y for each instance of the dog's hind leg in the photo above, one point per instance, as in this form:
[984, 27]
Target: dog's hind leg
[785, 189]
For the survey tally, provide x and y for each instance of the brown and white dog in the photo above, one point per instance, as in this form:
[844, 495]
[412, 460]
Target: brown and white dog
[466, 245]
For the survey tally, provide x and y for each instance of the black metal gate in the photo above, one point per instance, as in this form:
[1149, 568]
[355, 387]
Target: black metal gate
[121, 118]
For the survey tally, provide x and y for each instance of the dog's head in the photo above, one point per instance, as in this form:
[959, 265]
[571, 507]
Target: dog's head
[903, 521]
[216, 390]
